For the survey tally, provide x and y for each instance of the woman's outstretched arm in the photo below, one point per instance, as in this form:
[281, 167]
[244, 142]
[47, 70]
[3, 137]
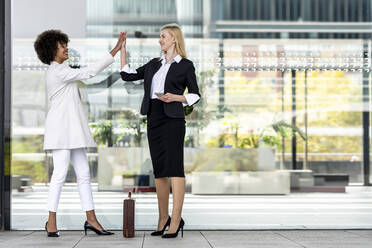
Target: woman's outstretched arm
[68, 74]
[123, 51]
[128, 74]
[102, 85]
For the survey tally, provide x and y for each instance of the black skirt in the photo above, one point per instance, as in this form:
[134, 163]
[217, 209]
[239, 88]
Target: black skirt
[166, 139]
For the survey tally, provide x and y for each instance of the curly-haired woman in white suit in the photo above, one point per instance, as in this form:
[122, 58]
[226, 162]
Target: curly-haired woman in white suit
[67, 132]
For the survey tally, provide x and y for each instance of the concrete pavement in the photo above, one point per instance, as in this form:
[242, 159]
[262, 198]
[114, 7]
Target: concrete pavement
[195, 239]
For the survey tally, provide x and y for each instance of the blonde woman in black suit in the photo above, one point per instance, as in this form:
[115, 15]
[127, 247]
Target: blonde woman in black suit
[165, 80]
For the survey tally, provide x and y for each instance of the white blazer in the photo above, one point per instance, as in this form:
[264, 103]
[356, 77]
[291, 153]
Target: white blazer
[66, 125]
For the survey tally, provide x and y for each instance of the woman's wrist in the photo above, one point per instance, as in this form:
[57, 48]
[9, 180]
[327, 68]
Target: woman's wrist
[182, 98]
[114, 52]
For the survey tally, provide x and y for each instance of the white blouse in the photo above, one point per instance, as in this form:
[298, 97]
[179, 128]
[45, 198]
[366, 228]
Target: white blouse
[158, 80]
[66, 125]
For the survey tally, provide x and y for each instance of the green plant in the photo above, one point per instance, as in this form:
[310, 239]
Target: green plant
[270, 136]
[102, 133]
[214, 159]
[287, 130]
[28, 144]
[189, 141]
[130, 122]
[34, 169]
[250, 141]
[270, 140]
[135, 124]
[129, 174]
[199, 115]
[188, 110]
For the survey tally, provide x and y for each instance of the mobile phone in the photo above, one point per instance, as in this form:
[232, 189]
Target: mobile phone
[159, 94]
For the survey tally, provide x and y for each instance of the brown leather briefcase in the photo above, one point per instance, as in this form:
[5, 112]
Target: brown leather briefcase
[128, 214]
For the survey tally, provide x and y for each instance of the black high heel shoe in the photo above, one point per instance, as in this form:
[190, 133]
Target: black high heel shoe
[159, 233]
[173, 235]
[88, 226]
[51, 234]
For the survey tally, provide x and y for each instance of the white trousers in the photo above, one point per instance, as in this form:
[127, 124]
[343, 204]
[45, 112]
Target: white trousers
[61, 161]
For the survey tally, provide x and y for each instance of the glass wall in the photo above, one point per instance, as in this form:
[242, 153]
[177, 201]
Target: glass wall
[280, 114]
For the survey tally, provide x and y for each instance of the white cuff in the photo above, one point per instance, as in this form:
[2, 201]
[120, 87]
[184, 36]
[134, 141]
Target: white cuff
[191, 99]
[127, 69]
[109, 55]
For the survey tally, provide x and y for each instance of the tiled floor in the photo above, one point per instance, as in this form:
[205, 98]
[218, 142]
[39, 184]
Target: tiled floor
[195, 239]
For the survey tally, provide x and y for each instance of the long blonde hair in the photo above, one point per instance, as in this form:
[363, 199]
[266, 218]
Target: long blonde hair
[176, 33]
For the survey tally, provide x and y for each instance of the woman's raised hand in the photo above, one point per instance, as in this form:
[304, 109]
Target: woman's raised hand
[122, 38]
[119, 43]
[123, 51]
[124, 43]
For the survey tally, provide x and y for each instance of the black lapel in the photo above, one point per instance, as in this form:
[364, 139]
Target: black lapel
[172, 67]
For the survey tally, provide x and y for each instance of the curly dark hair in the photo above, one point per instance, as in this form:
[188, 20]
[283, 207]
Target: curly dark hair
[46, 44]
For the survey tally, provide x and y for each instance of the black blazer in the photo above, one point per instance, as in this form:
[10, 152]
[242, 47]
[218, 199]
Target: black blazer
[179, 76]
